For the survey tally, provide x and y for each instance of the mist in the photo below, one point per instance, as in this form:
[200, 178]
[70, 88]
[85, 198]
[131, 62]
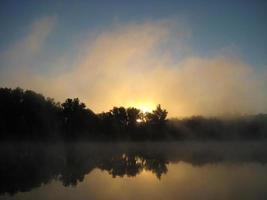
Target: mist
[136, 64]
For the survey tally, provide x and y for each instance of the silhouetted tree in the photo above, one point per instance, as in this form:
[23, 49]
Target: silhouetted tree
[77, 118]
[120, 116]
[133, 115]
[27, 115]
[106, 126]
[157, 116]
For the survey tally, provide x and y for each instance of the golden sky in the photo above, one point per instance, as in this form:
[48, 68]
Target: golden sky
[138, 64]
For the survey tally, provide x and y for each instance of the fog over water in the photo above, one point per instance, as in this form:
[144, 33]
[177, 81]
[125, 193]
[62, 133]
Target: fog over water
[187, 170]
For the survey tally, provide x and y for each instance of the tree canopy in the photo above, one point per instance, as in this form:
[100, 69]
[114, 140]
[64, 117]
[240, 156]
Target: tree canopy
[27, 115]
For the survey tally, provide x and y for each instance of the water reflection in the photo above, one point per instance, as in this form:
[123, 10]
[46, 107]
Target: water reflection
[24, 167]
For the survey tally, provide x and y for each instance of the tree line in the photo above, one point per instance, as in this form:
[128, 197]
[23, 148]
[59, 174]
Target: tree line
[27, 115]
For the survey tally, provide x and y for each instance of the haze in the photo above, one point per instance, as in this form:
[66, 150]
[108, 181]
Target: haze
[141, 61]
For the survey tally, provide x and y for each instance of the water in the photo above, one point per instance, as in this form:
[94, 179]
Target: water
[192, 170]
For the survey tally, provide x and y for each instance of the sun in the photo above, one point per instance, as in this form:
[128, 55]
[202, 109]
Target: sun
[143, 106]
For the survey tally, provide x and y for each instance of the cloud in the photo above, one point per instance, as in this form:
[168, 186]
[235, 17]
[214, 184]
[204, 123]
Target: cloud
[21, 57]
[215, 86]
[138, 64]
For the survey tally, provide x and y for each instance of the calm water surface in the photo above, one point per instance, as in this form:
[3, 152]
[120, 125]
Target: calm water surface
[191, 170]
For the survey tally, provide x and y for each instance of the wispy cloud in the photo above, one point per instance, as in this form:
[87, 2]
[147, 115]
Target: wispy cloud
[20, 57]
[131, 64]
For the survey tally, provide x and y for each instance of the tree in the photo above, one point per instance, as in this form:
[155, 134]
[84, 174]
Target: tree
[133, 115]
[120, 116]
[157, 116]
[76, 117]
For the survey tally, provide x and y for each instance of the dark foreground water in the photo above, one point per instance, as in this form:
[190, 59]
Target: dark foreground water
[191, 170]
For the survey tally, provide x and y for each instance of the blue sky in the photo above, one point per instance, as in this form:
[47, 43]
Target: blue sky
[214, 24]
[100, 50]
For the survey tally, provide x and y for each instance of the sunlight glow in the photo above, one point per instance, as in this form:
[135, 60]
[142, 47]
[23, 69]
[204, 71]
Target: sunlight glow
[139, 120]
[146, 107]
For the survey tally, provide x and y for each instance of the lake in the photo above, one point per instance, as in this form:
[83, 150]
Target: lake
[116, 171]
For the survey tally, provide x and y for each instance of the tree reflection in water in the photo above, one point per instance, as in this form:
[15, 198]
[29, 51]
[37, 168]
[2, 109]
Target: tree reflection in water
[27, 166]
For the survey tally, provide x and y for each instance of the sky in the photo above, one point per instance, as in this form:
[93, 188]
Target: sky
[192, 57]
